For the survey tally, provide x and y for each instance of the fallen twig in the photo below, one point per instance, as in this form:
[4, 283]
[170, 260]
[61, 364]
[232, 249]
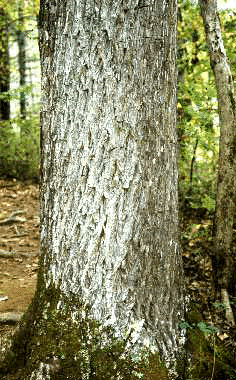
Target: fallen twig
[12, 254]
[10, 318]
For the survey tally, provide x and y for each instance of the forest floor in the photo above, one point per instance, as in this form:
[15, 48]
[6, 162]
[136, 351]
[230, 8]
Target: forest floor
[19, 251]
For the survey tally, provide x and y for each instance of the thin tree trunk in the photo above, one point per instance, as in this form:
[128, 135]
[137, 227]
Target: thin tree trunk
[226, 184]
[4, 66]
[22, 59]
[192, 165]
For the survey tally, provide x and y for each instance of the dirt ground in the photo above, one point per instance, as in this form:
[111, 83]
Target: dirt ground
[19, 246]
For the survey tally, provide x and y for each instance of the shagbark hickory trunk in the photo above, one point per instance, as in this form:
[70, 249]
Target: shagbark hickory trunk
[224, 260]
[109, 204]
[109, 220]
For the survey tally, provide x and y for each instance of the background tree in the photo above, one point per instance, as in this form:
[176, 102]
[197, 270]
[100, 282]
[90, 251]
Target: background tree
[226, 184]
[4, 67]
[110, 289]
[21, 58]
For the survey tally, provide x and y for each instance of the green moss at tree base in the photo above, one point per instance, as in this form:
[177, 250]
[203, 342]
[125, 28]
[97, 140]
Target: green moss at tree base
[56, 334]
[207, 358]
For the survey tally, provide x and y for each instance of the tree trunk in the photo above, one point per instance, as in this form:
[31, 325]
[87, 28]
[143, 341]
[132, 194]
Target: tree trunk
[226, 185]
[4, 66]
[110, 291]
[22, 60]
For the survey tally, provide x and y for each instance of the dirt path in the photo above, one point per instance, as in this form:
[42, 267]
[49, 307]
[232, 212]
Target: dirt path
[19, 245]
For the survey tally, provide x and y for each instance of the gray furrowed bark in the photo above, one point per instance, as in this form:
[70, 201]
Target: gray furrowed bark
[109, 193]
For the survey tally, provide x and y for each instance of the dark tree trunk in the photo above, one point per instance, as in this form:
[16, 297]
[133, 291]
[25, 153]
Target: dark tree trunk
[22, 60]
[4, 66]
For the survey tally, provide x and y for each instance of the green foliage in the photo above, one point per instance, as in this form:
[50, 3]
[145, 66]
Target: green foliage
[208, 358]
[197, 112]
[197, 231]
[19, 152]
[31, 8]
[197, 105]
[19, 135]
[202, 326]
[14, 94]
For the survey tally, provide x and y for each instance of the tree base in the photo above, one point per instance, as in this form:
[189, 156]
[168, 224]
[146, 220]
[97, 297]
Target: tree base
[56, 343]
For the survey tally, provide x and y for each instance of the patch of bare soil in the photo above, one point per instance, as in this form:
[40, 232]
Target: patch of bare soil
[19, 249]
